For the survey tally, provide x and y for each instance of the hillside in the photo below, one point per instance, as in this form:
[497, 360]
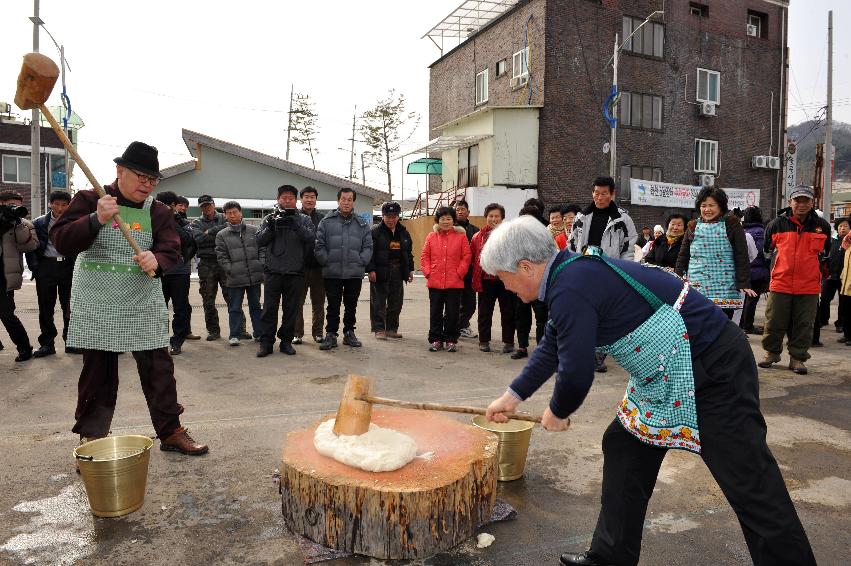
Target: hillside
[808, 137]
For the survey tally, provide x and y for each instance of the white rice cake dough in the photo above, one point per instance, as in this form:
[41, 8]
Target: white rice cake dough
[377, 450]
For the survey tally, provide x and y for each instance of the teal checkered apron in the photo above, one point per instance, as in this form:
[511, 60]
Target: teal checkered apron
[115, 306]
[658, 407]
[711, 268]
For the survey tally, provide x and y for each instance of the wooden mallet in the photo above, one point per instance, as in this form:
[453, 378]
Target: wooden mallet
[355, 409]
[35, 83]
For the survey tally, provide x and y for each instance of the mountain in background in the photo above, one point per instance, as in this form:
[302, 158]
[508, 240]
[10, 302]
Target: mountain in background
[807, 137]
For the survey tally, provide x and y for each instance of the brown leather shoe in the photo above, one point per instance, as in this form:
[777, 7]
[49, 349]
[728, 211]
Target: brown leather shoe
[191, 336]
[393, 334]
[180, 441]
[797, 366]
[381, 335]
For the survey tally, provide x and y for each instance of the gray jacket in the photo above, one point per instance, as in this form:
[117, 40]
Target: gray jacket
[240, 256]
[286, 243]
[343, 246]
[14, 242]
[619, 236]
[207, 242]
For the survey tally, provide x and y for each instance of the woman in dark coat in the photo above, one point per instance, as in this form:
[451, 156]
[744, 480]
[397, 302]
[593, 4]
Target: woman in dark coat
[666, 248]
[753, 225]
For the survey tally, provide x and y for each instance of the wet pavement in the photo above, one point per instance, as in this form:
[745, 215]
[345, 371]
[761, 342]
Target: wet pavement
[224, 507]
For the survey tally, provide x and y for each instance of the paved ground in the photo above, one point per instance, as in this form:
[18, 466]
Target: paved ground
[224, 507]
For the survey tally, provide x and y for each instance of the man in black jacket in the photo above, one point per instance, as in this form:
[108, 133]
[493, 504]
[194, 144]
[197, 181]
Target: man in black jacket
[468, 296]
[392, 265]
[210, 274]
[312, 276]
[53, 274]
[286, 234]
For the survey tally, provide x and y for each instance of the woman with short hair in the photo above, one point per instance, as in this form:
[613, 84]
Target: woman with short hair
[490, 289]
[666, 248]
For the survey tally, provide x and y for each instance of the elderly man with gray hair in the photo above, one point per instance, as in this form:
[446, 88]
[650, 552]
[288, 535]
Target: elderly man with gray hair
[692, 381]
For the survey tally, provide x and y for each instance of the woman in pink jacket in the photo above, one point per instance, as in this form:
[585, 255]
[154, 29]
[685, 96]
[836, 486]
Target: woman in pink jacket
[444, 262]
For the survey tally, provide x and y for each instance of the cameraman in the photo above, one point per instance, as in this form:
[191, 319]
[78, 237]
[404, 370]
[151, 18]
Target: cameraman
[17, 236]
[287, 235]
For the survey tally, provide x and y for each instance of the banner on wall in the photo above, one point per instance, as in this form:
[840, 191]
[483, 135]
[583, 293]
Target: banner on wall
[672, 195]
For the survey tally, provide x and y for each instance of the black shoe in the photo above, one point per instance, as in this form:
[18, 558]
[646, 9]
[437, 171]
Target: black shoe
[44, 351]
[586, 558]
[297, 340]
[816, 345]
[265, 350]
[175, 350]
[286, 348]
[72, 350]
[317, 339]
[2, 346]
[330, 341]
[24, 356]
[520, 354]
[213, 336]
[245, 336]
[601, 368]
[349, 339]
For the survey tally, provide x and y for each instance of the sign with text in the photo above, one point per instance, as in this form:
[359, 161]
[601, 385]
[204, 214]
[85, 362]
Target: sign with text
[672, 195]
[791, 174]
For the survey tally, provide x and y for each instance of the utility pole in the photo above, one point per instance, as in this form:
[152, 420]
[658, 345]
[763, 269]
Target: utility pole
[352, 159]
[67, 119]
[290, 120]
[828, 135]
[35, 134]
[363, 169]
[613, 144]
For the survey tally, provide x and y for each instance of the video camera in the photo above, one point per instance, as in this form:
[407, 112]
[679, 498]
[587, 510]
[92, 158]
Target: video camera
[283, 212]
[11, 215]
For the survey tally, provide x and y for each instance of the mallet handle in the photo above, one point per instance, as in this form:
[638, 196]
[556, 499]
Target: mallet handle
[91, 177]
[447, 408]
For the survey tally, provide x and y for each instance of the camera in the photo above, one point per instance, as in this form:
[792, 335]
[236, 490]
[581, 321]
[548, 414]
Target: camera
[10, 215]
[282, 212]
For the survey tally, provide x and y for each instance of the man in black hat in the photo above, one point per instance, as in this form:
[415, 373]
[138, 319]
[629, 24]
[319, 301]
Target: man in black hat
[115, 305]
[392, 265]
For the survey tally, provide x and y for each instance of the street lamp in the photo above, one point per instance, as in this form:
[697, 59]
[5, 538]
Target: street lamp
[612, 100]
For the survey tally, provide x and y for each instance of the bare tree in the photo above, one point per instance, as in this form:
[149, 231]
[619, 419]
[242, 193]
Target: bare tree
[382, 130]
[304, 125]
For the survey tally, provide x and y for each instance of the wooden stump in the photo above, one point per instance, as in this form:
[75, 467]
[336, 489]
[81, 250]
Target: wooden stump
[428, 506]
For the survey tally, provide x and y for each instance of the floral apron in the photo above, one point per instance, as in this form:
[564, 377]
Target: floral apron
[711, 268]
[658, 407]
[115, 306]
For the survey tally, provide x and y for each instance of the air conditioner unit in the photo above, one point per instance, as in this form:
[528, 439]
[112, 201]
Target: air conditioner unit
[774, 162]
[5, 108]
[519, 81]
[707, 109]
[753, 31]
[706, 180]
[759, 161]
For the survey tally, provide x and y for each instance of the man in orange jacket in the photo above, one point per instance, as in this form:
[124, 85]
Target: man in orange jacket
[797, 238]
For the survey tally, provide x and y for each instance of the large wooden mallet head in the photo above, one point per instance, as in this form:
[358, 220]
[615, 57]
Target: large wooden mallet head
[36, 80]
[354, 415]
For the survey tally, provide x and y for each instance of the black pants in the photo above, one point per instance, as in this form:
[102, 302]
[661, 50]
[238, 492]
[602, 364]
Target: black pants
[176, 290]
[97, 391]
[845, 315]
[468, 303]
[284, 290]
[345, 292]
[53, 279]
[727, 397]
[749, 308]
[523, 321]
[444, 309]
[494, 291]
[11, 322]
[385, 301]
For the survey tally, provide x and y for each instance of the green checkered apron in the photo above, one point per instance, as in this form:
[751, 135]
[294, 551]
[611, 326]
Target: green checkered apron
[658, 407]
[115, 306]
[711, 268]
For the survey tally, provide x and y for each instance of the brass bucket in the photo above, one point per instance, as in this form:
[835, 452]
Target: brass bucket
[115, 471]
[514, 439]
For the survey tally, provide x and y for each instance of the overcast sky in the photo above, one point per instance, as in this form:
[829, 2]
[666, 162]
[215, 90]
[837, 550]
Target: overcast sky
[144, 70]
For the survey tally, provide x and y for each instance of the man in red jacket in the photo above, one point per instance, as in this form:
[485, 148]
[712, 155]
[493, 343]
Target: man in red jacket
[796, 238]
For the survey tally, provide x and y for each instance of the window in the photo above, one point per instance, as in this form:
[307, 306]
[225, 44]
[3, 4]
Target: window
[708, 86]
[648, 40]
[638, 172]
[468, 166]
[501, 67]
[520, 63]
[758, 20]
[57, 172]
[16, 169]
[700, 10]
[705, 156]
[482, 87]
[641, 111]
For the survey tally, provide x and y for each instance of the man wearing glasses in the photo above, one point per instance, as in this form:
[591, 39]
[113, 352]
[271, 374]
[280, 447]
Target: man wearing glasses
[115, 305]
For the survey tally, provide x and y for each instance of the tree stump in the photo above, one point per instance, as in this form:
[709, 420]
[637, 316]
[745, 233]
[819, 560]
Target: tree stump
[430, 505]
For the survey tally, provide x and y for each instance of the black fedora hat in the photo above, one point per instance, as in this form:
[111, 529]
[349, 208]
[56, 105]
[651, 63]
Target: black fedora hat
[141, 157]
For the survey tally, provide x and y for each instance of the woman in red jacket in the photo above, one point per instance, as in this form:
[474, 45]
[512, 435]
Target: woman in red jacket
[490, 289]
[444, 262]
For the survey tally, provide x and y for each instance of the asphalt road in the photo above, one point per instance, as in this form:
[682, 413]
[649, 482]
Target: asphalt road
[224, 507]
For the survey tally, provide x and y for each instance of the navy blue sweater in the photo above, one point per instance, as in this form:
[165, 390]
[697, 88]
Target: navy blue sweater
[591, 305]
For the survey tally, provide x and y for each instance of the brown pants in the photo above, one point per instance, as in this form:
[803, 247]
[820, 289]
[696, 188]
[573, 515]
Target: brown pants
[313, 281]
[98, 391]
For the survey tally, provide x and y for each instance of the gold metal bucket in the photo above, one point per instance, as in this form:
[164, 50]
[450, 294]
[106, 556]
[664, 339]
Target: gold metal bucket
[115, 472]
[514, 439]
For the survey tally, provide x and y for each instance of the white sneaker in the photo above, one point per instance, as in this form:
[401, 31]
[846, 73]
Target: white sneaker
[234, 341]
[468, 333]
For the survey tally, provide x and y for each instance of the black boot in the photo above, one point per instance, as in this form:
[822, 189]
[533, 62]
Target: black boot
[44, 351]
[330, 341]
[265, 350]
[349, 339]
[586, 558]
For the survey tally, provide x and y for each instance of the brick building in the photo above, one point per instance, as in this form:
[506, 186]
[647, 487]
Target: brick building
[15, 159]
[702, 93]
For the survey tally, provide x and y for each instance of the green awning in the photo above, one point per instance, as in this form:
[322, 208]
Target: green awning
[426, 166]
[59, 112]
